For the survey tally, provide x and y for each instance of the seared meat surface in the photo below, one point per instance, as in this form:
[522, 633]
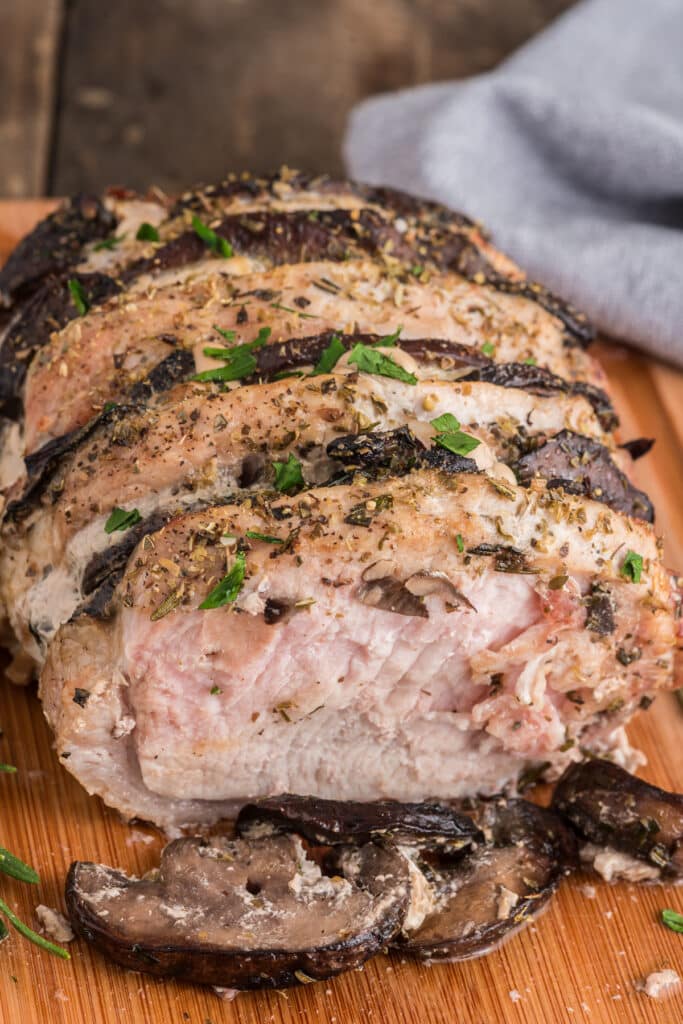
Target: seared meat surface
[358, 625]
[301, 466]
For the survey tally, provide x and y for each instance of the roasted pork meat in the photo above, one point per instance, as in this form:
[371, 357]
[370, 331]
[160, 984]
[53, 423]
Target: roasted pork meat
[308, 489]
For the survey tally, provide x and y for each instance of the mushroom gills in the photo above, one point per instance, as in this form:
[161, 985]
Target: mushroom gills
[243, 913]
[609, 807]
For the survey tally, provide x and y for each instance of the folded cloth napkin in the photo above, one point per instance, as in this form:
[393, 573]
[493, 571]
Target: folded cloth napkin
[571, 152]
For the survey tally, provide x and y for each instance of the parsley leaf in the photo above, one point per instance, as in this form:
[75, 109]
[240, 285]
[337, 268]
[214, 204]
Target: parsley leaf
[147, 233]
[9, 769]
[215, 690]
[121, 520]
[459, 542]
[632, 566]
[450, 437]
[369, 360]
[488, 348]
[288, 475]
[216, 243]
[330, 356]
[79, 297]
[389, 340]
[446, 424]
[239, 361]
[255, 535]
[673, 920]
[531, 361]
[108, 243]
[228, 335]
[229, 587]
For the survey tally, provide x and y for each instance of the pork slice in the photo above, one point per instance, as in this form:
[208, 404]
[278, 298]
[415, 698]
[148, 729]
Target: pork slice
[196, 445]
[97, 357]
[451, 637]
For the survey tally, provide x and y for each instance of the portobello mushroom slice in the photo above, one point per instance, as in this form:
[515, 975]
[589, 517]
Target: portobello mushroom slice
[435, 825]
[490, 892]
[243, 913]
[582, 465]
[612, 808]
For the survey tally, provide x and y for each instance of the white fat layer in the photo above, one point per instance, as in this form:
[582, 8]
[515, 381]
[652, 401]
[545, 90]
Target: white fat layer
[308, 882]
[507, 901]
[422, 902]
[54, 924]
[130, 214]
[11, 455]
[613, 865]
[659, 983]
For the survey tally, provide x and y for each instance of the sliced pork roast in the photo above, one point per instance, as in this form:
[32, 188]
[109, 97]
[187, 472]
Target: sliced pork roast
[446, 631]
[299, 466]
[195, 445]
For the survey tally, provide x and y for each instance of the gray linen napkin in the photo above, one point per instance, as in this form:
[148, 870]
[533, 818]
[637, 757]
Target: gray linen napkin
[571, 152]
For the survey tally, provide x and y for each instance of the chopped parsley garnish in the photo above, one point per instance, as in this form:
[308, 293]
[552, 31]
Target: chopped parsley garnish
[531, 361]
[450, 436]
[417, 270]
[147, 233]
[389, 340]
[255, 535]
[216, 243]
[215, 690]
[9, 769]
[109, 243]
[460, 544]
[79, 297]
[632, 566]
[673, 920]
[369, 360]
[488, 348]
[229, 587]
[239, 360]
[228, 335]
[288, 475]
[330, 356]
[121, 519]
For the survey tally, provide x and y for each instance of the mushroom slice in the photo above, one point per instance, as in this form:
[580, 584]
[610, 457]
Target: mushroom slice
[242, 913]
[436, 826]
[485, 895]
[611, 807]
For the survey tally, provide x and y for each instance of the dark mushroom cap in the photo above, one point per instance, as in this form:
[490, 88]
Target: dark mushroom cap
[609, 806]
[331, 821]
[243, 913]
[483, 896]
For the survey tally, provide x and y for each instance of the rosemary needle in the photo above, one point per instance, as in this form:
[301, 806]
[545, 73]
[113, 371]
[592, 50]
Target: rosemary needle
[28, 933]
[11, 865]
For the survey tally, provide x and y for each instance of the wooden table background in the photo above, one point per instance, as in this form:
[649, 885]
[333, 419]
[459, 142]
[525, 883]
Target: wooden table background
[173, 92]
[577, 964]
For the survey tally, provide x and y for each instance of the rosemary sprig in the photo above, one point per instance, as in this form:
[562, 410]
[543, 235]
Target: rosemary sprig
[34, 937]
[15, 868]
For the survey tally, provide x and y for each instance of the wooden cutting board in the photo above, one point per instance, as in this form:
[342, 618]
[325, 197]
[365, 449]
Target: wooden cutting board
[578, 963]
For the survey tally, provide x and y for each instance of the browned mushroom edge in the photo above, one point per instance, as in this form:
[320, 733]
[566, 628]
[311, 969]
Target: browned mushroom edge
[611, 808]
[243, 913]
[481, 898]
[333, 821]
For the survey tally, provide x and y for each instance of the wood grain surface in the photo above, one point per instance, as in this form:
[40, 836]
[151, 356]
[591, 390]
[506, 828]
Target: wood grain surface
[578, 963]
[175, 92]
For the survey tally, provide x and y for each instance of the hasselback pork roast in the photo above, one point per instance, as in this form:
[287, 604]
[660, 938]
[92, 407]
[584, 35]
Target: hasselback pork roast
[308, 489]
